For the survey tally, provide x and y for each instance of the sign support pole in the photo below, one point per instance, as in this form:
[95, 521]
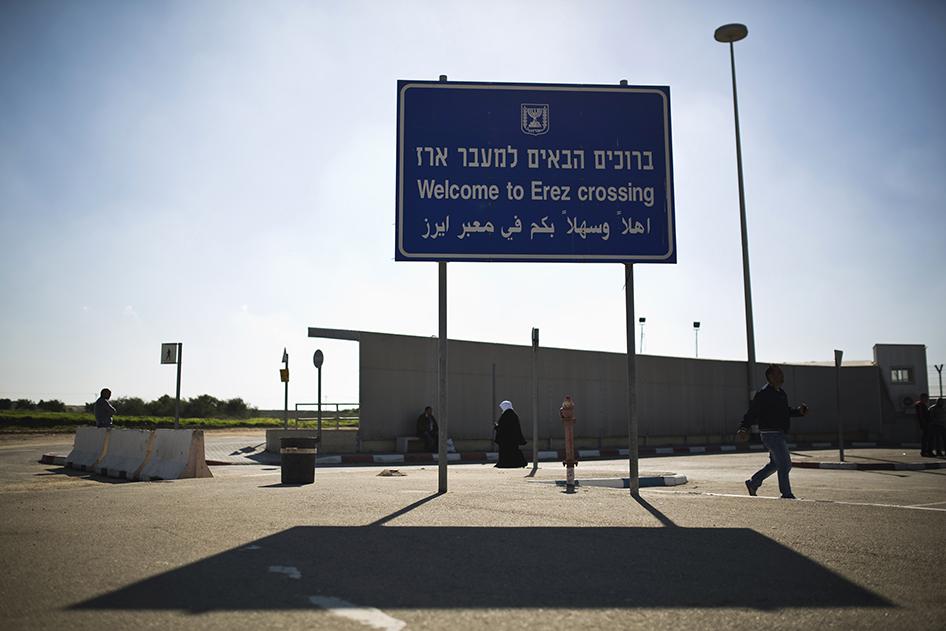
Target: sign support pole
[442, 371]
[285, 408]
[177, 399]
[634, 474]
[535, 401]
[837, 370]
[442, 374]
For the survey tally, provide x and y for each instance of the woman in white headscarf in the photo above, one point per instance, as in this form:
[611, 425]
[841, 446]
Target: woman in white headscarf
[509, 438]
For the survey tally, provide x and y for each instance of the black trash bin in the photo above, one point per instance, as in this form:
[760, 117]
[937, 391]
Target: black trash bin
[297, 460]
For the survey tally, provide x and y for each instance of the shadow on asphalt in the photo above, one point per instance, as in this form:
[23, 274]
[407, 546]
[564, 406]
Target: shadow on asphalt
[87, 475]
[392, 567]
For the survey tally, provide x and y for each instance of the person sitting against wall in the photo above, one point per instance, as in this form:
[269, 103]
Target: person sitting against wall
[427, 429]
[509, 438]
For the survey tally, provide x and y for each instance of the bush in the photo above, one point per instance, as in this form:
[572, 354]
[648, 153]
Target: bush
[130, 406]
[24, 404]
[204, 406]
[6, 404]
[53, 405]
[235, 408]
[162, 406]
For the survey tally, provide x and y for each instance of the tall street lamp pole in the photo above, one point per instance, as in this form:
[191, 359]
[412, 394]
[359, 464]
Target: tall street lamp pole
[727, 34]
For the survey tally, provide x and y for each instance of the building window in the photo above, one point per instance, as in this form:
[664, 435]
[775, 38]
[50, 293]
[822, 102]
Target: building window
[901, 375]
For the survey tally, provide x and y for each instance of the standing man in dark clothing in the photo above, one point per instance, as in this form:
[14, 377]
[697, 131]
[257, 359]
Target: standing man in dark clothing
[770, 410]
[103, 410]
[427, 429]
[924, 418]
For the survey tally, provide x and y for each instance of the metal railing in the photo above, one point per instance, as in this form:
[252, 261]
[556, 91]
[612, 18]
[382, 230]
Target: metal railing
[342, 412]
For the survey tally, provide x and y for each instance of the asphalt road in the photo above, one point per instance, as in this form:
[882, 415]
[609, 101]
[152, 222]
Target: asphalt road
[360, 551]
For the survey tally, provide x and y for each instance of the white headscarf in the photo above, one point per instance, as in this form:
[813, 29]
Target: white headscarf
[505, 405]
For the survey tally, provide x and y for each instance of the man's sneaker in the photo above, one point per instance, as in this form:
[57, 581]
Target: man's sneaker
[789, 497]
[750, 488]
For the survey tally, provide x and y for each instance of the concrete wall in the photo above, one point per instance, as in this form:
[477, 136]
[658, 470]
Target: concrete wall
[700, 399]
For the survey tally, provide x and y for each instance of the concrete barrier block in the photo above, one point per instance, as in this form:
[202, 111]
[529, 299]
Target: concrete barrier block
[176, 454]
[90, 445]
[128, 449]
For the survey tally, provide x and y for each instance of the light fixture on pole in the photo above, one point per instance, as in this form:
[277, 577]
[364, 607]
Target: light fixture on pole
[939, 369]
[641, 321]
[696, 336]
[727, 34]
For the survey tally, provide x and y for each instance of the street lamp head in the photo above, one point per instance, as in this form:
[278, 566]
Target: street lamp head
[642, 320]
[728, 33]
[696, 325]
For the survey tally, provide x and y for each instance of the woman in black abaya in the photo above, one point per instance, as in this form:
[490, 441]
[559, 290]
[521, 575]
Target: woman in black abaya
[509, 438]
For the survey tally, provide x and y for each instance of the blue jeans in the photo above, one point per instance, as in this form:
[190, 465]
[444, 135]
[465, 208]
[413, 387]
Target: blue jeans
[779, 460]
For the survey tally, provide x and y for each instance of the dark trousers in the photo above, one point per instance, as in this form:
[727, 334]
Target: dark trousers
[938, 441]
[926, 441]
[430, 440]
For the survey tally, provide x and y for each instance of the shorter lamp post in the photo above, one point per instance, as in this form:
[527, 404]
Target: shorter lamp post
[696, 339]
[641, 321]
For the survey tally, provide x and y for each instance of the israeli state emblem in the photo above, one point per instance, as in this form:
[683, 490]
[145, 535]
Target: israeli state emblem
[534, 119]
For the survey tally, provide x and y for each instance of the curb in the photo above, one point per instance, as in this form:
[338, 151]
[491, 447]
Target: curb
[871, 466]
[625, 483]
[485, 457]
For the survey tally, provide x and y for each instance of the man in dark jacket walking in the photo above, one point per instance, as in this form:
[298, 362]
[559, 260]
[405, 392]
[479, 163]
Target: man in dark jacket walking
[769, 409]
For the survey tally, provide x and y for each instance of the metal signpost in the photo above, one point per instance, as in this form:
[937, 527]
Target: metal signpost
[534, 173]
[837, 368]
[535, 401]
[317, 359]
[939, 369]
[284, 377]
[171, 354]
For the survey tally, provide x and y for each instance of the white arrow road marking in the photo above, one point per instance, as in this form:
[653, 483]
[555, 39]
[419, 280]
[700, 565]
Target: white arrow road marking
[288, 570]
[370, 616]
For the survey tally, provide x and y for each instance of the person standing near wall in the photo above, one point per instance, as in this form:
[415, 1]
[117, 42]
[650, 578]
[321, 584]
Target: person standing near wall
[103, 410]
[770, 410]
[427, 429]
[923, 417]
[509, 438]
[938, 428]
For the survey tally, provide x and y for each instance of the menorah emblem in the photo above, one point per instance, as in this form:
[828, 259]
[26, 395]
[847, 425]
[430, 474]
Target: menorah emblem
[534, 118]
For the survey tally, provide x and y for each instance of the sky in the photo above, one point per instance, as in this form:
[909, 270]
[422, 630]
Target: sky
[222, 173]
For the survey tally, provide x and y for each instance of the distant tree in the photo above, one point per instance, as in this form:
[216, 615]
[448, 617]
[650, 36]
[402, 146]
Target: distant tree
[89, 406]
[130, 406]
[235, 408]
[53, 405]
[162, 406]
[6, 404]
[24, 404]
[204, 406]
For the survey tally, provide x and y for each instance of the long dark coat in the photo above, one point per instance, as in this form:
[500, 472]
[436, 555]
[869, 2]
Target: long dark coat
[509, 438]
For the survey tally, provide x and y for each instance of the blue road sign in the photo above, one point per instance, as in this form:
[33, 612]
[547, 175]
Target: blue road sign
[534, 172]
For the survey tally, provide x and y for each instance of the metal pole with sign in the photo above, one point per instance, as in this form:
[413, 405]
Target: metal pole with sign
[837, 369]
[171, 354]
[939, 369]
[632, 446]
[551, 173]
[535, 400]
[317, 359]
[442, 369]
[284, 377]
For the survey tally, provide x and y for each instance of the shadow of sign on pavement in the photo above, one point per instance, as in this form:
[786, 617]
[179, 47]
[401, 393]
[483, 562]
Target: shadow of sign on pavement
[475, 567]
